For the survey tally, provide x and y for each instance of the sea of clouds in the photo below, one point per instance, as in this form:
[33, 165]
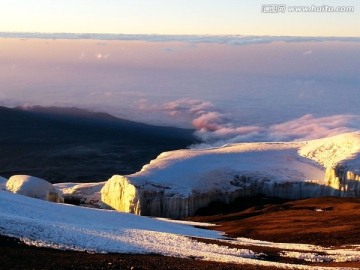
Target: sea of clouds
[215, 128]
[267, 89]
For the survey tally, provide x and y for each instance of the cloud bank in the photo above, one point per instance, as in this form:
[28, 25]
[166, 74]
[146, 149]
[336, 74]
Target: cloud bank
[215, 128]
[307, 127]
[219, 39]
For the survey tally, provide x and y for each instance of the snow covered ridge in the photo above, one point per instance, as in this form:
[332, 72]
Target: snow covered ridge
[177, 183]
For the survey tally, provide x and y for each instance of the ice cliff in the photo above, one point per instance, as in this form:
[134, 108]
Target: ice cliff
[178, 183]
[340, 156]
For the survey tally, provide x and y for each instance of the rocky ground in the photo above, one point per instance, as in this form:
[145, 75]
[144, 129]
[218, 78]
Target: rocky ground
[16, 255]
[324, 221]
[328, 221]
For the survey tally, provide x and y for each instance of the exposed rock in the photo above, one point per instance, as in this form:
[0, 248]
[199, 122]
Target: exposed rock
[33, 187]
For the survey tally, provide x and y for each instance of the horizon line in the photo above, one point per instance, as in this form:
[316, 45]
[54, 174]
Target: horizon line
[237, 39]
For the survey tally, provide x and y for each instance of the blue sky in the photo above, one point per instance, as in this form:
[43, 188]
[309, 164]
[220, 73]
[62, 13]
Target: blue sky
[211, 17]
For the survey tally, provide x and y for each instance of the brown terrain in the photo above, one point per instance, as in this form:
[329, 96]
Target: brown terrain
[322, 221]
[328, 221]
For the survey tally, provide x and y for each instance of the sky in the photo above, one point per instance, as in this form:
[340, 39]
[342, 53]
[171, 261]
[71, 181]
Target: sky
[249, 77]
[203, 17]
[228, 89]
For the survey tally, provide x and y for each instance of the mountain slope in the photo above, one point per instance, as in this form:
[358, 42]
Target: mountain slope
[69, 144]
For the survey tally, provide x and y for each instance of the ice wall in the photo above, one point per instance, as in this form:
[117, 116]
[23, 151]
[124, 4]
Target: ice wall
[127, 195]
[119, 193]
[344, 179]
[340, 155]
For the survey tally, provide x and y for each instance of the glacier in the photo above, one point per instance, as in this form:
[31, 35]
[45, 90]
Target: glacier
[178, 183]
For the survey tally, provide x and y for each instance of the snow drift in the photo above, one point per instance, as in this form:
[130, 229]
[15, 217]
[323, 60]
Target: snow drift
[61, 226]
[176, 184]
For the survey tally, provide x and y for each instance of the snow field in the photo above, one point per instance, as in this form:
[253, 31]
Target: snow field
[46, 224]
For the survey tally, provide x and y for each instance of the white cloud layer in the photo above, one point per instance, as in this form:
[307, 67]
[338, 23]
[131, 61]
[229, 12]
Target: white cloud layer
[219, 39]
[215, 128]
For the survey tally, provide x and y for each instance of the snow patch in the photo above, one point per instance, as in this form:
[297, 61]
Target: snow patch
[316, 257]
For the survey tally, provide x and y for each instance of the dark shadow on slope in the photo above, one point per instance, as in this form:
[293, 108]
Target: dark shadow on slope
[253, 204]
[17, 255]
[77, 145]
